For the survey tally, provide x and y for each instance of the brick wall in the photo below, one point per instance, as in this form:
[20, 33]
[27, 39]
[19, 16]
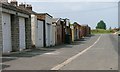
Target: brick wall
[40, 16]
[15, 32]
[15, 28]
[28, 32]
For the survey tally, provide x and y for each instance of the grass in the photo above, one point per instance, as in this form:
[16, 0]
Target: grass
[101, 31]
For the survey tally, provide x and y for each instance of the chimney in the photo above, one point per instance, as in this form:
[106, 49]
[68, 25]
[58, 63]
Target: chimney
[22, 5]
[29, 7]
[14, 2]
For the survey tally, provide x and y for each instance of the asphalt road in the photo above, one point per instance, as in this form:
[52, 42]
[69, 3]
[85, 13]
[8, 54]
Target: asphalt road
[102, 56]
[99, 52]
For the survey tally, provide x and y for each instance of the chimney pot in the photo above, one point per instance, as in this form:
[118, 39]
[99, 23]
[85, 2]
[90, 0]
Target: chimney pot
[22, 5]
[14, 2]
[29, 7]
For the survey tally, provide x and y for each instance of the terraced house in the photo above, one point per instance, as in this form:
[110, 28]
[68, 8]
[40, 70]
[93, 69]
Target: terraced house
[15, 27]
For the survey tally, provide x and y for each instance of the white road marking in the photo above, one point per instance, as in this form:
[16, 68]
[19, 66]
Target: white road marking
[74, 57]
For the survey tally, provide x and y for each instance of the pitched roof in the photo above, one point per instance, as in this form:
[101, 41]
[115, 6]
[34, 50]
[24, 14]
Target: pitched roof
[15, 8]
[45, 14]
[84, 25]
[55, 19]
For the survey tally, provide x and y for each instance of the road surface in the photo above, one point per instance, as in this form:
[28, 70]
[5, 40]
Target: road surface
[98, 52]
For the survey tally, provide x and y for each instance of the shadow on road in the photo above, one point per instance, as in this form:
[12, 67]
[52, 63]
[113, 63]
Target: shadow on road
[5, 66]
[40, 51]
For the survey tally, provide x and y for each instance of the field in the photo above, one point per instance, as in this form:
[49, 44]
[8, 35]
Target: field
[101, 31]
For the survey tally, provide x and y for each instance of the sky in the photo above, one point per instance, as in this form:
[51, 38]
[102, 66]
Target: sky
[82, 11]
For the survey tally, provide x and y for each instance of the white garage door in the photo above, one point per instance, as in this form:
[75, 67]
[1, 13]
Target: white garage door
[49, 34]
[6, 28]
[22, 33]
[39, 34]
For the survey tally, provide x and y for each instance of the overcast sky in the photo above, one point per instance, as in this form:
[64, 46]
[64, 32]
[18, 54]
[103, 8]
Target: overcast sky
[82, 11]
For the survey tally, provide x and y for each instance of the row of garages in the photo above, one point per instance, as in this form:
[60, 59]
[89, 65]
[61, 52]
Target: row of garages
[79, 31]
[21, 28]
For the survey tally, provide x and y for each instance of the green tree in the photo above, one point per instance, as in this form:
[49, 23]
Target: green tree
[101, 25]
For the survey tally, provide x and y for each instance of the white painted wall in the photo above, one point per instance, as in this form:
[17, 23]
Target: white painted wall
[48, 22]
[22, 43]
[67, 22]
[33, 28]
[39, 34]
[77, 33]
[6, 28]
[37, 31]
[53, 34]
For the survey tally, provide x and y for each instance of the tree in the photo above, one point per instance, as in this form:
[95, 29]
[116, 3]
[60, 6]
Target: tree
[101, 25]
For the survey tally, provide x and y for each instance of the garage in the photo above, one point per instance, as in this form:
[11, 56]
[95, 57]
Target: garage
[48, 35]
[6, 28]
[39, 34]
[22, 42]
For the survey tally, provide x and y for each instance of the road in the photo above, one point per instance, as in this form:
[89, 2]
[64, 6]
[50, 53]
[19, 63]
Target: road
[98, 52]
[102, 56]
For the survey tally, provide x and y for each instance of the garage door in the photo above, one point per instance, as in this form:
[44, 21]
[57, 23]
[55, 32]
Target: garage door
[39, 33]
[22, 33]
[6, 28]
